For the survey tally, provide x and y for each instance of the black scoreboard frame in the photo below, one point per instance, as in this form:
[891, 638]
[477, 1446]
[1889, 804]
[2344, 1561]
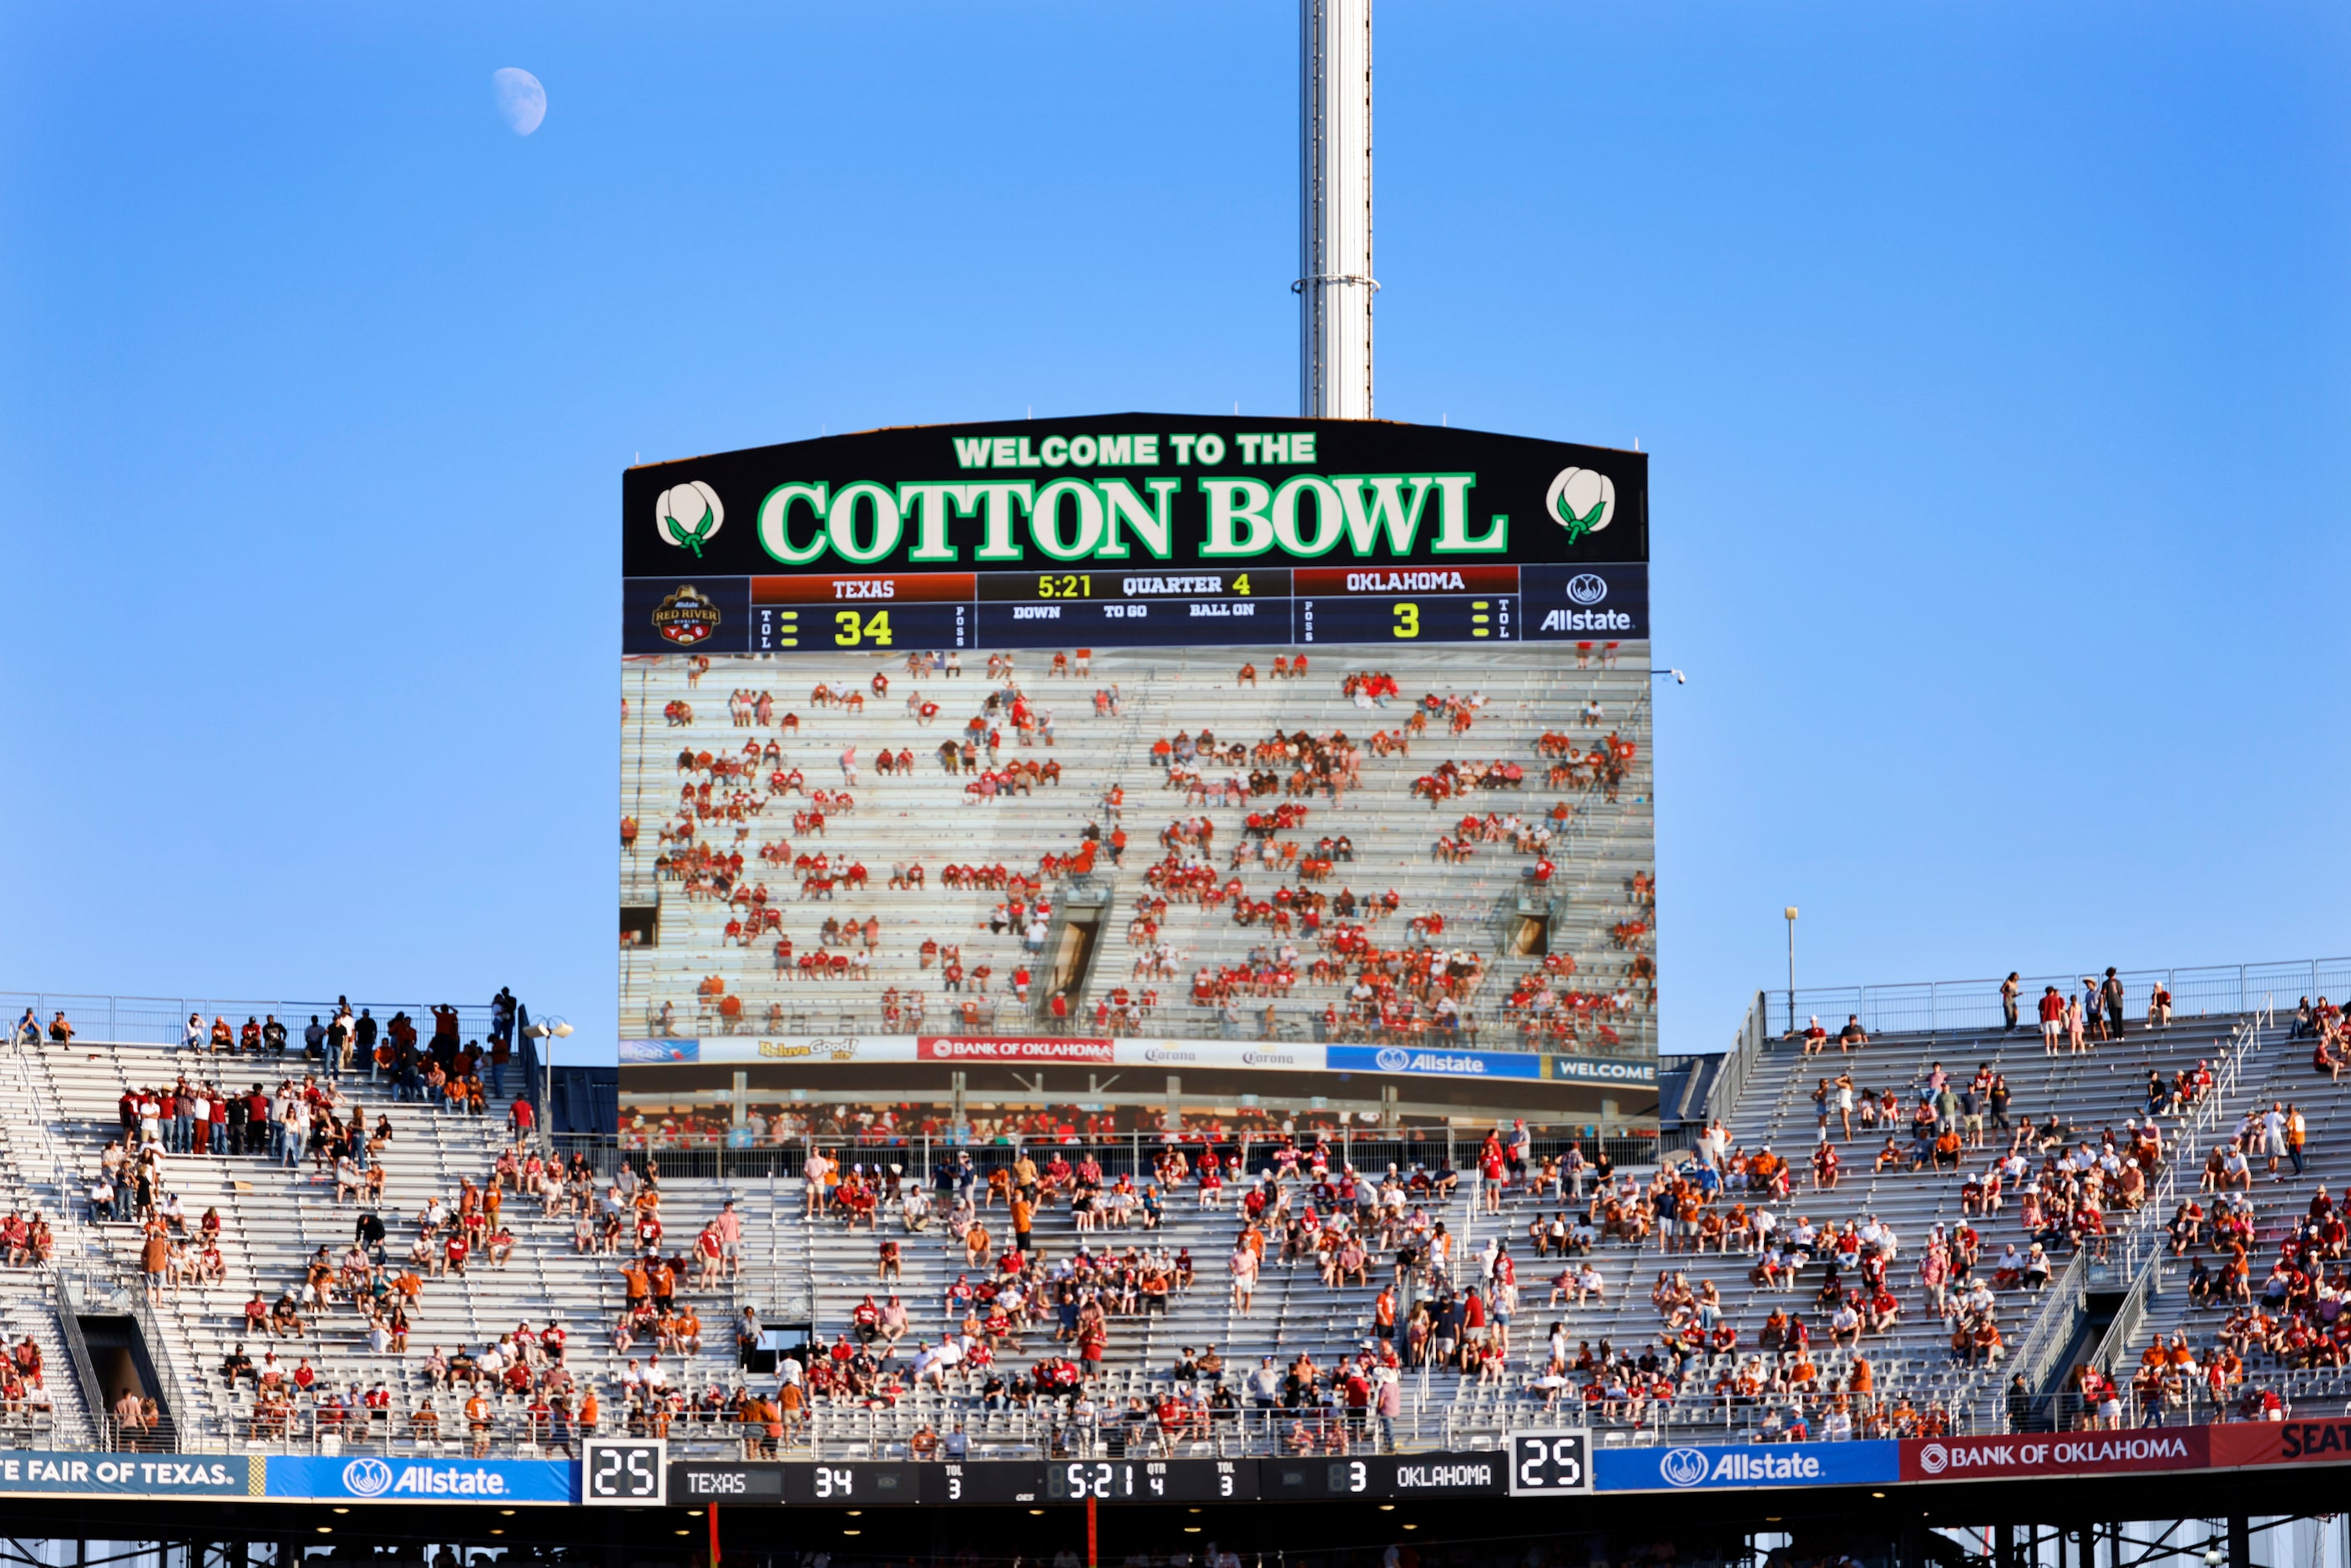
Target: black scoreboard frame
[1137, 1479]
[1170, 530]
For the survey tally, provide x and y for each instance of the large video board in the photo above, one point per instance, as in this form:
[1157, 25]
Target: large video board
[1311, 757]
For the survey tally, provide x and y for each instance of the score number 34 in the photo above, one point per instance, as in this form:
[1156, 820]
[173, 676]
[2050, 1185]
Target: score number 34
[854, 629]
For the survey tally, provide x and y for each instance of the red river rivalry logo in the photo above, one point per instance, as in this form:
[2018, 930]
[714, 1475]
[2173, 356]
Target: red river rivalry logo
[686, 618]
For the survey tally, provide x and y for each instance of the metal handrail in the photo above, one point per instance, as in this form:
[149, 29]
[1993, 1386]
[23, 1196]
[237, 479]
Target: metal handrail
[1932, 1006]
[160, 1020]
[1739, 1066]
[2045, 1341]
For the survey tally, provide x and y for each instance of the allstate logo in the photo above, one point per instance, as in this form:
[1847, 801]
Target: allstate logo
[1933, 1458]
[1581, 500]
[1682, 1467]
[689, 514]
[1587, 588]
[1393, 1059]
[367, 1478]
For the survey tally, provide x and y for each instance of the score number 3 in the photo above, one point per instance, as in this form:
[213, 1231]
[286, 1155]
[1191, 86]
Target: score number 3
[1407, 620]
[856, 629]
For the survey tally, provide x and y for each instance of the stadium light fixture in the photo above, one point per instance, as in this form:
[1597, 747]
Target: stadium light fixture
[1680, 679]
[1791, 913]
[558, 1028]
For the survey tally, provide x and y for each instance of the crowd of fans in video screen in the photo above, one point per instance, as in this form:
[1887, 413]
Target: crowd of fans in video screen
[1241, 805]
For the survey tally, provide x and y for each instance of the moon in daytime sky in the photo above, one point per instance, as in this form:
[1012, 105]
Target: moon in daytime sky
[522, 102]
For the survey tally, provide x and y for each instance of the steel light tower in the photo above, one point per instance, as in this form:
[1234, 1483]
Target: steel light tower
[1791, 913]
[1335, 288]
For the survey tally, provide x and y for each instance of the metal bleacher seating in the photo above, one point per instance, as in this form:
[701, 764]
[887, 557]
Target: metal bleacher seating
[58, 1108]
[274, 1218]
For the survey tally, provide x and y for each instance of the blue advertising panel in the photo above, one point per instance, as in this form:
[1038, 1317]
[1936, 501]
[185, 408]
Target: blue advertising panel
[1690, 1467]
[1445, 1063]
[130, 1475]
[368, 1478]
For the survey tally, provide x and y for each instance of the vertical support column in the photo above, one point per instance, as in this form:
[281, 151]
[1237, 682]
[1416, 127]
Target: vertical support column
[1334, 286]
[2241, 1541]
[741, 1098]
[2004, 1545]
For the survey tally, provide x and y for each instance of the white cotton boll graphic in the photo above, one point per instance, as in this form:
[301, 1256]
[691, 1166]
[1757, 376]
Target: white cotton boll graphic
[1582, 500]
[681, 511]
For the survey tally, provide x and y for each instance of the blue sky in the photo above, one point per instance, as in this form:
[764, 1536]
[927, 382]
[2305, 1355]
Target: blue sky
[1993, 357]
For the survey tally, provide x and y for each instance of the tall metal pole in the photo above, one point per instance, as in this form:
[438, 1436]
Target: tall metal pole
[1335, 286]
[1792, 968]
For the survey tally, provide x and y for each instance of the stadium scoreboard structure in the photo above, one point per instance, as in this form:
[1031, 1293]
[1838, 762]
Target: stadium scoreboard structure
[1302, 607]
[1127, 531]
[781, 604]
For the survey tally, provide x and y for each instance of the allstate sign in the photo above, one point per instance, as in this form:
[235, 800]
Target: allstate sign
[371, 1479]
[1423, 1060]
[1711, 1466]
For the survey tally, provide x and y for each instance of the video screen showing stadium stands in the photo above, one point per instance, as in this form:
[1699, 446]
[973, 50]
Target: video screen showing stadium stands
[1135, 769]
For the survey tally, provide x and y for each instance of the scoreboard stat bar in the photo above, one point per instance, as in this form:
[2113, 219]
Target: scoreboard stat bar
[1299, 607]
[1538, 1464]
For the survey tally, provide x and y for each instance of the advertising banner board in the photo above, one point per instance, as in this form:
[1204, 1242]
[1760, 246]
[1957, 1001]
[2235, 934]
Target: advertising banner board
[366, 1478]
[2013, 1456]
[2281, 1443]
[132, 1475]
[1697, 1467]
